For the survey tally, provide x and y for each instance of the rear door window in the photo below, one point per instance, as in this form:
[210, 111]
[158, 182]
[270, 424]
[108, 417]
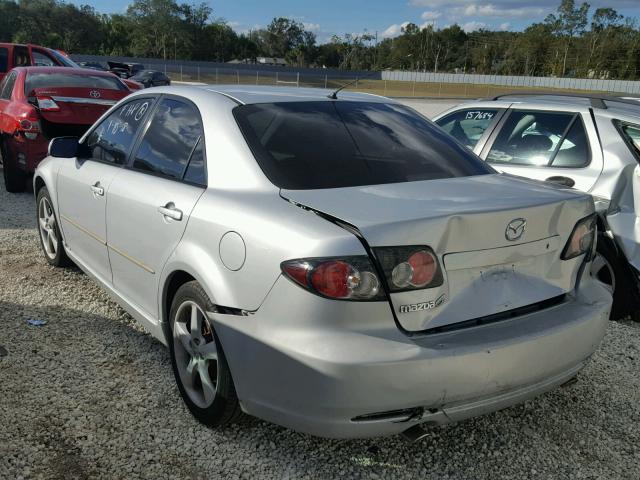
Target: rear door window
[112, 139]
[541, 139]
[631, 135]
[7, 85]
[331, 144]
[4, 59]
[468, 126]
[21, 57]
[42, 59]
[196, 171]
[169, 147]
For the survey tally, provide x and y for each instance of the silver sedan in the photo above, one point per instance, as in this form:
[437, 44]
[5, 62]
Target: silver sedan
[333, 263]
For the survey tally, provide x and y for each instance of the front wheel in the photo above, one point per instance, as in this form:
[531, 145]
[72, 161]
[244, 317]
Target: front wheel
[50, 237]
[199, 364]
[613, 270]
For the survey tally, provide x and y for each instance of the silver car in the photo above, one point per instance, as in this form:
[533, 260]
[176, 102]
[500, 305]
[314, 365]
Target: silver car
[587, 141]
[334, 264]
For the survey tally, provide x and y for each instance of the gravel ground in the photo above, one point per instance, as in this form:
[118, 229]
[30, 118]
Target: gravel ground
[91, 395]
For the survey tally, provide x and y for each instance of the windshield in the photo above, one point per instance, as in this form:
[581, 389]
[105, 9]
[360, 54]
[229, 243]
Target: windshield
[58, 79]
[310, 145]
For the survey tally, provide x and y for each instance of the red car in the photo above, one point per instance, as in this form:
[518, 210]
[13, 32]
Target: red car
[16, 55]
[41, 103]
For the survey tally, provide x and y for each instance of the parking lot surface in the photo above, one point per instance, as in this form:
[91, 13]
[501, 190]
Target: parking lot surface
[90, 395]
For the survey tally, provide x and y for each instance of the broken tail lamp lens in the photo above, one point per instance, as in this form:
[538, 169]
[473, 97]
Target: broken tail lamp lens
[47, 104]
[409, 268]
[30, 127]
[345, 278]
[582, 238]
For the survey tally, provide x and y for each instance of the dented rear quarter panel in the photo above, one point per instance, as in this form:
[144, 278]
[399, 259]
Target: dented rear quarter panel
[273, 230]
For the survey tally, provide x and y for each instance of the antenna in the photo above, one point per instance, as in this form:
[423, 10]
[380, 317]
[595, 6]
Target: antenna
[334, 95]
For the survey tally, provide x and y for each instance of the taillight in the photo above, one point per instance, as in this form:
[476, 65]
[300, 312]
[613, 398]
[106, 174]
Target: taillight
[409, 268]
[29, 126]
[344, 278]
[47, 104]
[582, 238]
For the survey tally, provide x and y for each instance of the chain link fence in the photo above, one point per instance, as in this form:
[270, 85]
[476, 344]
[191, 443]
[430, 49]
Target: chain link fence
[386, 83]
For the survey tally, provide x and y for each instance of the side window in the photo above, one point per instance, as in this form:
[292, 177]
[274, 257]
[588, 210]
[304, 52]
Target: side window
[196, 172]
[112, 139]
[467, 126]
[631, 135]
[21, 57]
[4, 59]
[41, 59]
[171, 141]
[574, 151]
[543, 139]
[7, 86]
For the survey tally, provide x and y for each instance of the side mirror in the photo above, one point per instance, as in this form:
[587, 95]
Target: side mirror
[66, 147]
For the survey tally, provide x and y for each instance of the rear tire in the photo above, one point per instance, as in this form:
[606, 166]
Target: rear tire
[612, 269]
[14, 179]
[199, 364]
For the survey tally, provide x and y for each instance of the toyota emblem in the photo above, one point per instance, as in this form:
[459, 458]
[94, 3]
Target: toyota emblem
[94, 94]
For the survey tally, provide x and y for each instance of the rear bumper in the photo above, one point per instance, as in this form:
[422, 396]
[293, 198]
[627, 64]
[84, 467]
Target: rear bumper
[27, 154]
[314, 365]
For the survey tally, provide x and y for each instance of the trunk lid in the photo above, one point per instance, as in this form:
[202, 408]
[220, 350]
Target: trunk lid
[464, 220]
[78, 105]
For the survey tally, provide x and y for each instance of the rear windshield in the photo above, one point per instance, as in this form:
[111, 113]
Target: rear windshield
[310, 145]
[51, 80]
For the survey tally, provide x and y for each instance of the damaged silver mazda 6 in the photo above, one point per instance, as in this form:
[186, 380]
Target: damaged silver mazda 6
[332, 263]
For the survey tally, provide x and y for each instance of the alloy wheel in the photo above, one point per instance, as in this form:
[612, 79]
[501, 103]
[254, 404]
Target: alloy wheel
[47, 226]
[196, 353]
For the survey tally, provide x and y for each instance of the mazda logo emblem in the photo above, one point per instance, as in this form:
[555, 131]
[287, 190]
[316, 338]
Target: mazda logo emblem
[515, 229]
[94, 94]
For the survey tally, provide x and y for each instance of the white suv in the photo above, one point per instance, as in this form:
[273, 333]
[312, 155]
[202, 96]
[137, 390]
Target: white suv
[589, 142]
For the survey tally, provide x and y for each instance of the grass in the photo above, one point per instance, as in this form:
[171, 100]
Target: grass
[386, 88]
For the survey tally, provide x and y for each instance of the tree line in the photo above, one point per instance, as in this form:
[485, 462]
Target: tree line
[574, 41]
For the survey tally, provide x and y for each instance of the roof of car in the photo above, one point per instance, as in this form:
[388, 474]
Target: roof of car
[248, 94]
[5, 44]
[619, 106]
[598, 101]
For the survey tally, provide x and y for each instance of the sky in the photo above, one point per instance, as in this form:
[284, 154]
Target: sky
[386, 17]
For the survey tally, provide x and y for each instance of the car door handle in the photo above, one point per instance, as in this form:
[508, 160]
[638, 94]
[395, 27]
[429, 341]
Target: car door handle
[560, 180]
[170, 211]
[97, 189]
